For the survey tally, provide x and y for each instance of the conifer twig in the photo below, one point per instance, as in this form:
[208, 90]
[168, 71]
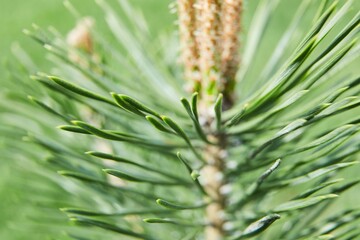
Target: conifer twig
[215, 47]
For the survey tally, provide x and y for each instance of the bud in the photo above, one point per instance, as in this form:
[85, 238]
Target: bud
[80, 36]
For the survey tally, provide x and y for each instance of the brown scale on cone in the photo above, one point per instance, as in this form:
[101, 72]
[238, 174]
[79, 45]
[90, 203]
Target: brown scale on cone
[189, 48]
[230, 58]
[209, 36]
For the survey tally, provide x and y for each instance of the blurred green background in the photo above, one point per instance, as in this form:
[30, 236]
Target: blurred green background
[15, 15]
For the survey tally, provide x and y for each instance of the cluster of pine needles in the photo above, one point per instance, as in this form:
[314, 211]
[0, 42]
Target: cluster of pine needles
[111, 138]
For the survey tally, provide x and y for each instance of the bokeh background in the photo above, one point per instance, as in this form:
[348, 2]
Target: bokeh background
[15, 15]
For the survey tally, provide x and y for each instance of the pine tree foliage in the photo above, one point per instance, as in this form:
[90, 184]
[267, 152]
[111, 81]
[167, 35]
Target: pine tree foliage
[112, 139]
